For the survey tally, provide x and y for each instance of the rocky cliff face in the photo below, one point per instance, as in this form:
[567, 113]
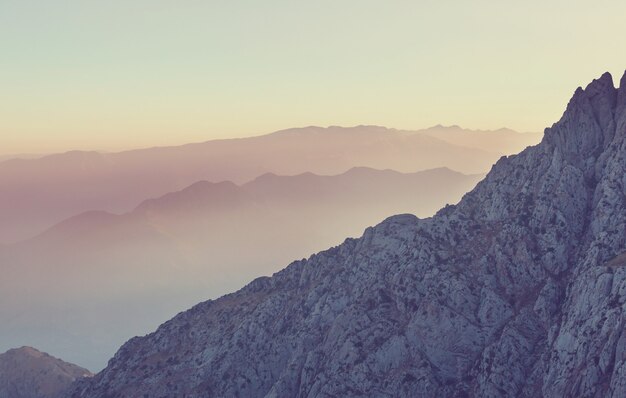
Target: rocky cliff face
[519, 290]
[28, 373]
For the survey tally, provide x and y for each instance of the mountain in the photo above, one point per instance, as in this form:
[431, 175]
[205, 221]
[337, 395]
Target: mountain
[514, 292]
[28, 373]
[38, 193]
[21, 156]
[116, 276]
[504, 141]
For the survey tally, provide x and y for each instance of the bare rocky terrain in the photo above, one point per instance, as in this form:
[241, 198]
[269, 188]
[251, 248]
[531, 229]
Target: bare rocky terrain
[517, 291]
[28, 373]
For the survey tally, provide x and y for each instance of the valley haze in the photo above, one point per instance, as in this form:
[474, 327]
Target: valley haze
[196, 243]
[37, 193]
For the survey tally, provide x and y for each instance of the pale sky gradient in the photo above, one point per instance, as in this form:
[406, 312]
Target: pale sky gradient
[109, 75]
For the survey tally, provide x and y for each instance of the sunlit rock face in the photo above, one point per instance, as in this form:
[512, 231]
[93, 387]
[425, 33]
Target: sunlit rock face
[519, 290]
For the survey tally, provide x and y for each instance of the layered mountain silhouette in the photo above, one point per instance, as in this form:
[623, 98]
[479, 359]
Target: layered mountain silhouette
[28, 373]
[38, 193]
[81, 288]
[504, 141]
[517, 291]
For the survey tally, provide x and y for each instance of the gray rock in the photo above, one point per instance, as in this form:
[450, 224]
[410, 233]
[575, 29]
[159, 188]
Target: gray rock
[28, 373]
[513, 292]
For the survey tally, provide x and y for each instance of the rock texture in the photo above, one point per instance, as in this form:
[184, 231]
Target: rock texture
[518, 291]
[28, 373]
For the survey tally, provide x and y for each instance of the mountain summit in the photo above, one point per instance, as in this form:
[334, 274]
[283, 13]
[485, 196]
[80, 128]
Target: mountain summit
[28, 373]
[518, 290]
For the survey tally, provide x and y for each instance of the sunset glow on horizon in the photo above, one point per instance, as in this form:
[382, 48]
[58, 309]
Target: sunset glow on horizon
[118, 75]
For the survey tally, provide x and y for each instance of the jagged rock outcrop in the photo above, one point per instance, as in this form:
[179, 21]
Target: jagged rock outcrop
[28, 373]
[518, 291]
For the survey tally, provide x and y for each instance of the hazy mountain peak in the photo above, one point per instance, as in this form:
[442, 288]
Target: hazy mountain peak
[38, 193]
[85, 220]
[459, 129]
[440, 129]
[333, 130]
[26, 351]
[73, 155]
[443, 170]
[29, 373]
[363, 170]
[201, 193]
[266, 176]
[204, 186]
[507, 130]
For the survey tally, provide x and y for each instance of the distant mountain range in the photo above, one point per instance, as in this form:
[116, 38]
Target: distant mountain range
[28, 373]
[115, 276]
[37, 193]
[21, 156]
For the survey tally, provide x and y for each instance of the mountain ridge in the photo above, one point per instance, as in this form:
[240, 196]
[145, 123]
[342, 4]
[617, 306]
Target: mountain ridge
[31, 156]
[26, 372]
[196, 243]
[35, 194]
[205, 187]
[505, 294]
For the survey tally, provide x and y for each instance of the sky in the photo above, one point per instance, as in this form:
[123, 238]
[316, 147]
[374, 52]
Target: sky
[112, 75]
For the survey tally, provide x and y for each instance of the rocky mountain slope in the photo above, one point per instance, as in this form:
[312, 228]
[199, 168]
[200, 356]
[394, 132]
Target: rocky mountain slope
[117, 276]
[518, 291]
[28, 373]
[38, 193]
